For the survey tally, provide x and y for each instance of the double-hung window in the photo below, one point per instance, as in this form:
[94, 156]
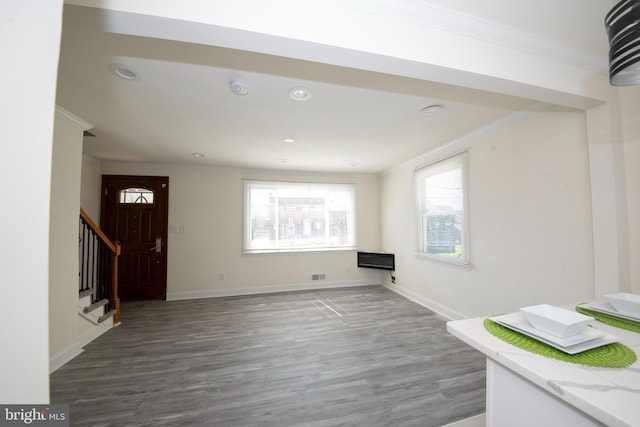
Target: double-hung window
[298, 216]
[442, 210]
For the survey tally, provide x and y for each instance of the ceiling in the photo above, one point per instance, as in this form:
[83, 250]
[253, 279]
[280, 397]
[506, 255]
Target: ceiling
[356, 121]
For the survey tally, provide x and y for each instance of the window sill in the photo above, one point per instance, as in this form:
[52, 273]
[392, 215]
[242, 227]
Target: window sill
[463, 265]
[296, 251]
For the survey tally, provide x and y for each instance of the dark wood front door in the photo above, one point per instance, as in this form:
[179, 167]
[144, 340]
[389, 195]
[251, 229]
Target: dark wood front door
[134, 213]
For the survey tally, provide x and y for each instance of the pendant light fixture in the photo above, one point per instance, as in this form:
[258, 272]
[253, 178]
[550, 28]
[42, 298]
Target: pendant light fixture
[623, 28]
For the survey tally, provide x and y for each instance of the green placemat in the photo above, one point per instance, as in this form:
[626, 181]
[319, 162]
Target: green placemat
[613, 355]
[610, 320]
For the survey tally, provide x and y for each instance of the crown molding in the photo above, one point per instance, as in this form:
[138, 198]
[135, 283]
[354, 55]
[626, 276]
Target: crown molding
[72, 119]
[423, 13]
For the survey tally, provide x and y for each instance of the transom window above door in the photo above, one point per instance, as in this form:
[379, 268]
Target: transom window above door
[136, 195]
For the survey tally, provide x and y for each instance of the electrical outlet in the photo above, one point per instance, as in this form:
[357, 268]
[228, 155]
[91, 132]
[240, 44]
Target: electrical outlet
[221, 276]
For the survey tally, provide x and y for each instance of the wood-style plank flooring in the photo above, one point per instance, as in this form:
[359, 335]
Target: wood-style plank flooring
[361, 356]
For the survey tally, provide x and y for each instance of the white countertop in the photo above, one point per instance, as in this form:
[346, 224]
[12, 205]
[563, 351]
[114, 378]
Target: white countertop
[610, 395]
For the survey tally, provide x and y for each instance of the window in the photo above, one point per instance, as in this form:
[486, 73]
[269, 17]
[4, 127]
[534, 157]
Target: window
[292, 216]
[136, 195]
[441, 202]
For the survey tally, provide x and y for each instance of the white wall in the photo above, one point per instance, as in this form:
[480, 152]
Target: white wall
[630, 102]
[66, 329]
[207, 203]
[608, 197]
[529, 222]
[30, 44]
[63, 239]
[91, 184]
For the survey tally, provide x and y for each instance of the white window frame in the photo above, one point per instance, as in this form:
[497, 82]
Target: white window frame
[455, 161]
[276, 244]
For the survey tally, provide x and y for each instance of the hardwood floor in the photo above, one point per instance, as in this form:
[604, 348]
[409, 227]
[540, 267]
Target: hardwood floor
[361, 356]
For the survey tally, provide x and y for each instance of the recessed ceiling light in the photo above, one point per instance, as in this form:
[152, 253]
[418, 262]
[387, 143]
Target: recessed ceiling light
[300, 93]
[122, 72]
[283, 160]
[289, 140]
[355, 164]
[239, 87]
[200, 155]
[432, 109]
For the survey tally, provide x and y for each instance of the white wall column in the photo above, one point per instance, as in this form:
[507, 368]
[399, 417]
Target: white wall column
[29, 50]
[608, 199]
[63, 237]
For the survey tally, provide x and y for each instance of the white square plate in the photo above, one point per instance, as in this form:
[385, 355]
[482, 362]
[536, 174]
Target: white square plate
[605, 307]
[586, 340]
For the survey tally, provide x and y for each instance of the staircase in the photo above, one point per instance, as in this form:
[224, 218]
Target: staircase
[98, 276]
[95, 312]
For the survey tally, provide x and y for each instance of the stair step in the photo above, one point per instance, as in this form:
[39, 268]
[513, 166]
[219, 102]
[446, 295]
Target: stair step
[96, 305]
[107, 315]
[86, 293]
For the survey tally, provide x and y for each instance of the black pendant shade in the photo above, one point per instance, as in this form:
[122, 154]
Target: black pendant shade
[623, 28]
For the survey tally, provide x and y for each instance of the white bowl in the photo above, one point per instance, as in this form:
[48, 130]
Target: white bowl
[556, 321]
[624, 303]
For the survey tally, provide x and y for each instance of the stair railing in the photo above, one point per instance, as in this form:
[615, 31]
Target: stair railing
[98, 263]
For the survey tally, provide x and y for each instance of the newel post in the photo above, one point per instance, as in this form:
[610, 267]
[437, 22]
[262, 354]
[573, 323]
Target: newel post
[114, 303]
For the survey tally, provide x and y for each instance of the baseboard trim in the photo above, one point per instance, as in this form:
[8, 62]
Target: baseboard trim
[60, 359]
[216, 293]
[442, 310]
[95, 332]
